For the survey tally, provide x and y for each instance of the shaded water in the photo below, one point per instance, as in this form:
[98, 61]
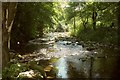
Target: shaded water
[74, 61]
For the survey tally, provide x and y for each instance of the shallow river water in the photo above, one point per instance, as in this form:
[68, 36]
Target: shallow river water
[74, 61]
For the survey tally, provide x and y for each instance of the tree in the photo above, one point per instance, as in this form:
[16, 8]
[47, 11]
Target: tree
[8, 14]
[118, 14]
[31, 20]
[94, 16]
[71, 13]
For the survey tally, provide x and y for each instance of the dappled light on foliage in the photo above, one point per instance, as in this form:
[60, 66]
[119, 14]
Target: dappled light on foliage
[60, 40]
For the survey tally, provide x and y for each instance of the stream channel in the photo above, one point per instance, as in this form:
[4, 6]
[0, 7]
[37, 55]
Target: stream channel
[72, 60]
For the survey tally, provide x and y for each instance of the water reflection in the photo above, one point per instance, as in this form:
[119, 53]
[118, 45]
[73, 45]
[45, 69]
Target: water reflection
[75, 62]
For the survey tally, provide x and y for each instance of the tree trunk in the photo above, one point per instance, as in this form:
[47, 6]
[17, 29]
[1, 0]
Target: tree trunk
[119, 25]
[8, 14]
[0, 40]
[116, 70]
[84, 26]
[74, 25]
[85, 23]
[4, 36]
[74, 20]
[94, 16]
[94, 20]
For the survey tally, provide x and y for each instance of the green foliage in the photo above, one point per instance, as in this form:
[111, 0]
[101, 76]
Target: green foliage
[105, 21]
[70, 11]
[30, 21]
[13, 70]
[101, 35]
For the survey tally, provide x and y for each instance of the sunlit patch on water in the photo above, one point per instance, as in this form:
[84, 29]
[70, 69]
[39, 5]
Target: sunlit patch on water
[69, 55]
[62, 49]
[70, 58]
[62, 68]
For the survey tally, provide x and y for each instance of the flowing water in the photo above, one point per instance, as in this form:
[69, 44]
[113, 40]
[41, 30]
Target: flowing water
[72, 60]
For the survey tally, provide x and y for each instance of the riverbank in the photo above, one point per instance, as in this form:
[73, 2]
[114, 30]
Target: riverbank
[99, 38]
[62, 57]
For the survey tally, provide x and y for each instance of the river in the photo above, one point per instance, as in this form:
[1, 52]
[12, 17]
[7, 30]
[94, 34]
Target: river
[72, 60]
